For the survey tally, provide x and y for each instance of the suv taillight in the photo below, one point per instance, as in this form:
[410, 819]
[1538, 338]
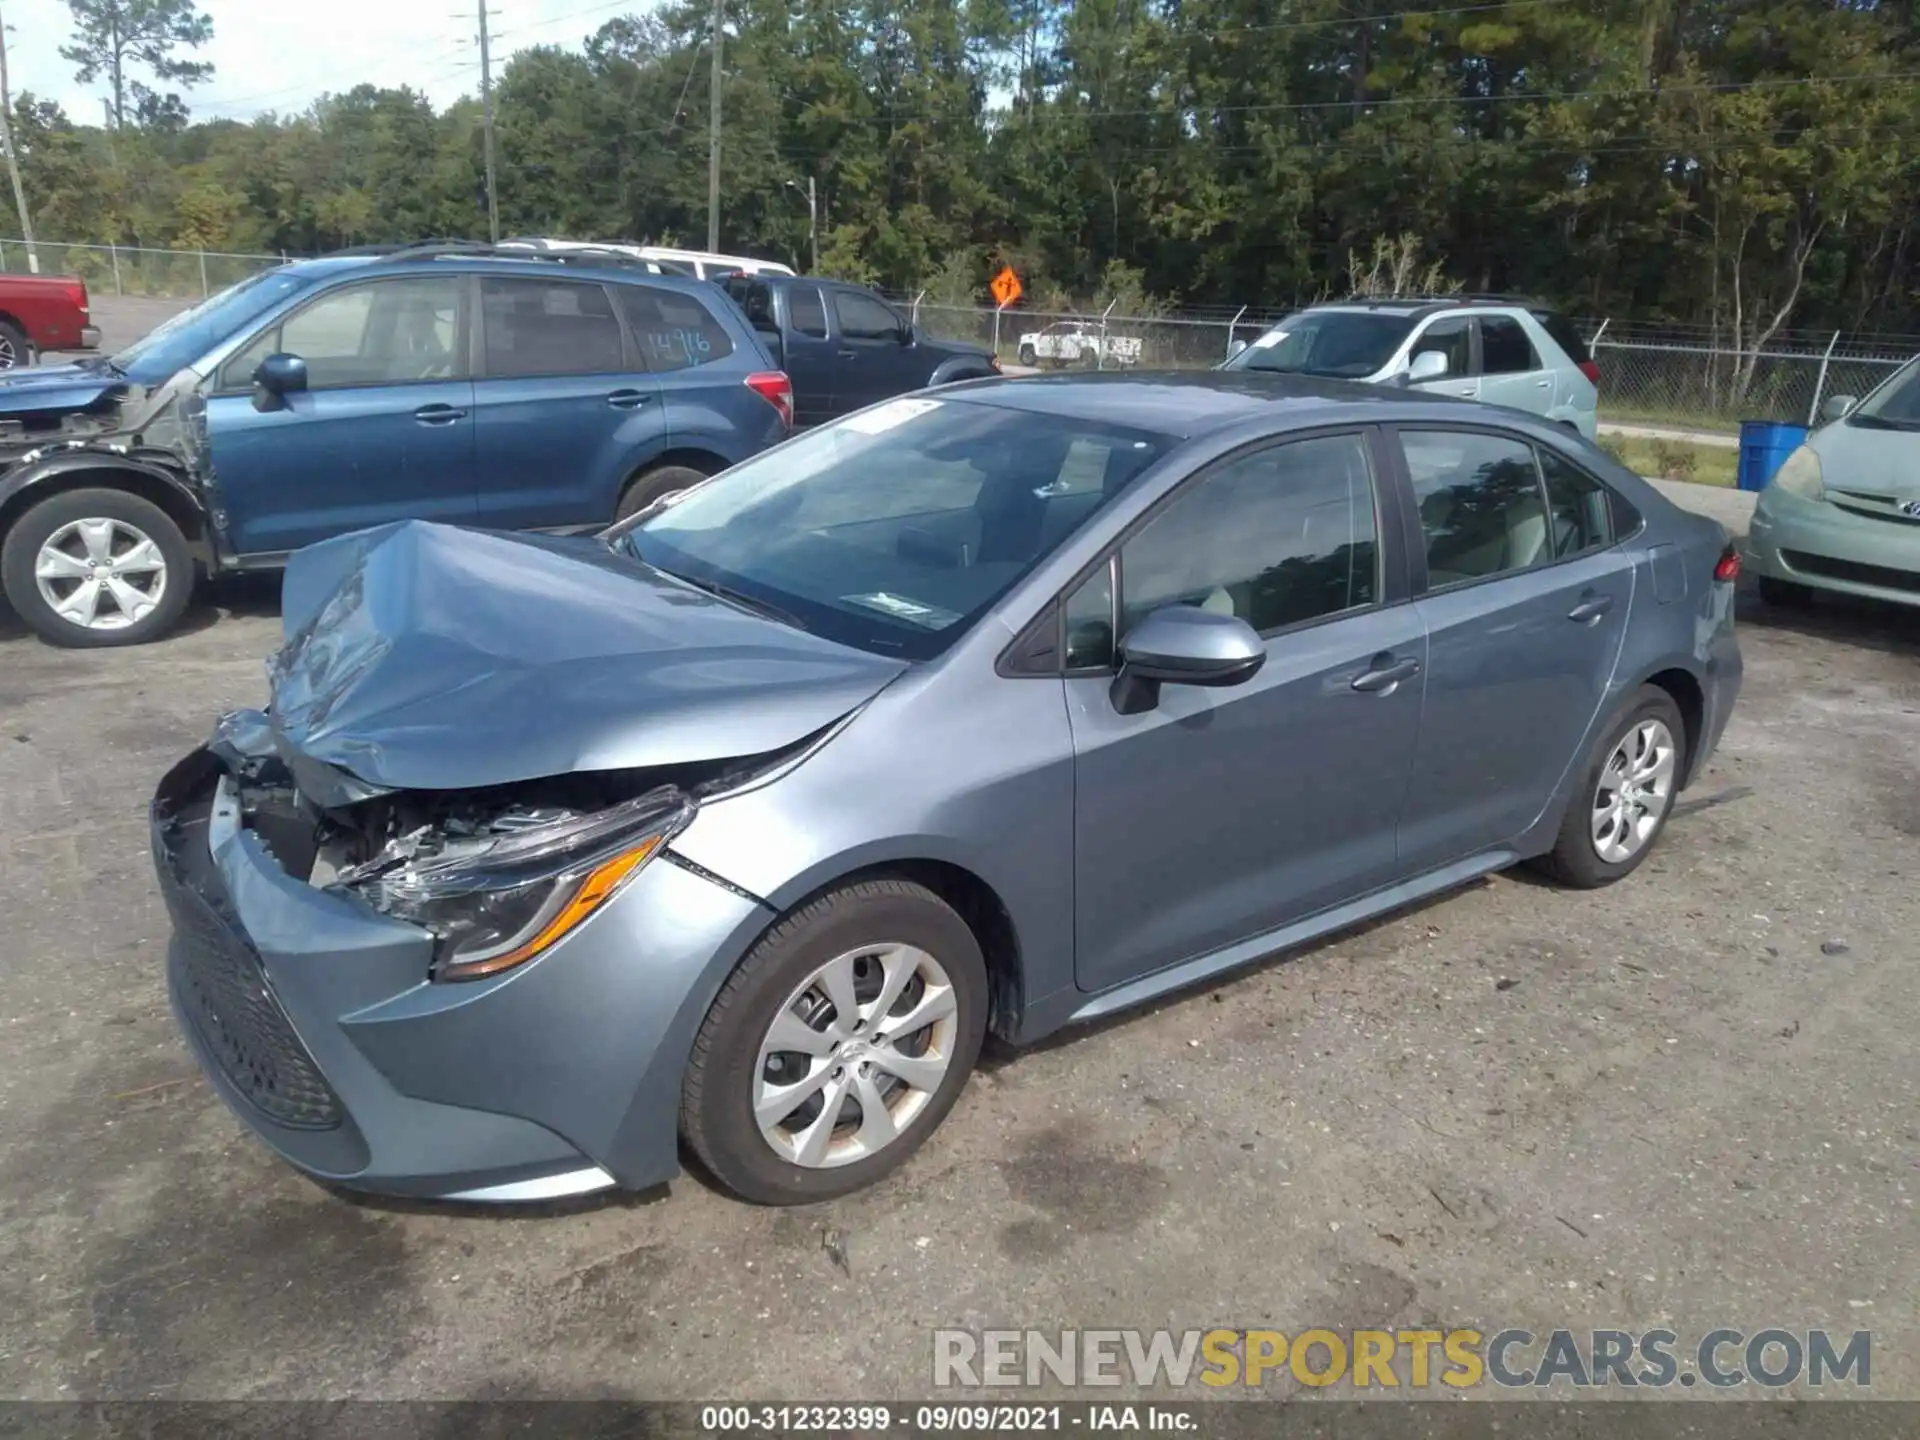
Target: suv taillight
[773, 387]
[1591, 370]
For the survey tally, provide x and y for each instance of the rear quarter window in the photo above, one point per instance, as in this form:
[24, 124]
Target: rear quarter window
[674, 331]
[1562, 332]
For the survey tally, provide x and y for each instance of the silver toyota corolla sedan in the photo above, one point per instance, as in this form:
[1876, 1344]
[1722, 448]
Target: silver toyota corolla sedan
[997, 708]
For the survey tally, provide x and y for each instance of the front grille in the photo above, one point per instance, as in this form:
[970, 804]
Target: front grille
[1852, 571]
[1876, 507]
[225, 992]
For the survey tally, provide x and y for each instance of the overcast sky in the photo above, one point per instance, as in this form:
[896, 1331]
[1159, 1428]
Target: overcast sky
[277, 56]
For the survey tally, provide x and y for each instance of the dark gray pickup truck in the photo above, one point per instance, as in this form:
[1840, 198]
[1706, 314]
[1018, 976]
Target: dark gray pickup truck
[844, 347]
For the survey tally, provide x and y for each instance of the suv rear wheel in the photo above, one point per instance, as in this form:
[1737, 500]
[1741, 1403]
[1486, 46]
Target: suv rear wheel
[650, 486]
[92, 568]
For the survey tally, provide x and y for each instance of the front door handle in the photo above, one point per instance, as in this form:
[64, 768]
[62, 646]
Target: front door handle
[628, 399]
[849, 354]
[439, 414]
[1591, 607]
[1468, 392]
[1546, 384]
[1384, 674]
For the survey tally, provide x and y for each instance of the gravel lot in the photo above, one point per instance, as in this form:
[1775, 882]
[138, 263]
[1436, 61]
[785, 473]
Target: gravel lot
[1690, 1100]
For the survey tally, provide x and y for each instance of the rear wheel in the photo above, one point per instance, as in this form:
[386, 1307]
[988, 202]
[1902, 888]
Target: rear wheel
[92, 568]
[15, 350]
[836, 1047]
[1787, 594]
[646, 488]
[1626, 794]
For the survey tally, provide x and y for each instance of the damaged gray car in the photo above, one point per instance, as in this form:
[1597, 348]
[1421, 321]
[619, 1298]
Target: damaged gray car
[995, 708]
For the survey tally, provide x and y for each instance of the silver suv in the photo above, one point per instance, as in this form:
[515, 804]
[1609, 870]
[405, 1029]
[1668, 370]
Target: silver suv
[1499, 349]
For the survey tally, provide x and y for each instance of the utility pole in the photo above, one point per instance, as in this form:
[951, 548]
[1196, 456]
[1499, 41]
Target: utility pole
[13, 160]
[713, 136]
[813, 221]
[486, 126]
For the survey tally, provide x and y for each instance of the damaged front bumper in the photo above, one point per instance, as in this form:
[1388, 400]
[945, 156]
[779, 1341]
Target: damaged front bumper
[314, 1017]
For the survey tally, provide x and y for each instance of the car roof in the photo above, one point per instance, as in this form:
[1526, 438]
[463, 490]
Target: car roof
[535, 264]
[1421, 306]
[1179, 404]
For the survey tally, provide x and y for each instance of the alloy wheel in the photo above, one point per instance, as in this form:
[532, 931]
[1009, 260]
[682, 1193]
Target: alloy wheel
[1635, 789]
[854, 1055]
[101, 574]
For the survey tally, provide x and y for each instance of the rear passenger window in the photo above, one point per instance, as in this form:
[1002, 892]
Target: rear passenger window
[1504, 347]
[549, 327]
[809, 313]
[674, 331]
[1560, 330]
[1578, 507]
[1481, 506]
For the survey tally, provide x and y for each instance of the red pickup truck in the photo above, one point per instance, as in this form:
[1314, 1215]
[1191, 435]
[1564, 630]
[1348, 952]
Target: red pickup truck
[43, 312]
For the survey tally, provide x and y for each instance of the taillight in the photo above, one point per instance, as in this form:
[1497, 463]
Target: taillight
[1728, 570]
[1591, 370]
[77, 295]
[773, 387]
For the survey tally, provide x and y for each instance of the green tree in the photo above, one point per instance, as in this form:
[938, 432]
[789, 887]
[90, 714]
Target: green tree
[111, 36]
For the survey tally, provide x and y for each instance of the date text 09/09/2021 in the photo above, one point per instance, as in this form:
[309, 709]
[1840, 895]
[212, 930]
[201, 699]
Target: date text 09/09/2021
[943, 1419]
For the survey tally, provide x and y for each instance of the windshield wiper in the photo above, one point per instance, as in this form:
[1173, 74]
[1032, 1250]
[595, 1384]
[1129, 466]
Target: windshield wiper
[751, 603]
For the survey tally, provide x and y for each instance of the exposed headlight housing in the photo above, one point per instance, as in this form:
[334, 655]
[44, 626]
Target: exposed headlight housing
[496, 901]
[1800, 475]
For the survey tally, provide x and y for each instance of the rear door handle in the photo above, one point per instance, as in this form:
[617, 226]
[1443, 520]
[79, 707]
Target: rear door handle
[1468, 392]
[628, 399]
[439, 414]
[1546, 384]
[1591, 607]
[1384, 674]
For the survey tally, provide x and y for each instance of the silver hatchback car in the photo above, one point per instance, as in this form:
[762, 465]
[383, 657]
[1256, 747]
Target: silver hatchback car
[994, 708]
[1495, 349]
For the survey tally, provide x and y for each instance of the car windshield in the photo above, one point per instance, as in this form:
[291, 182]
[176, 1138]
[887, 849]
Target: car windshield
[1337, 344]
[1896, 404]
[189, 335]
[894, 529]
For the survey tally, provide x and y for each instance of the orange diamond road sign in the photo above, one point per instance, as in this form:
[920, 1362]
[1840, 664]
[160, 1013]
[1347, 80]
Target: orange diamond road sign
[1005, 287]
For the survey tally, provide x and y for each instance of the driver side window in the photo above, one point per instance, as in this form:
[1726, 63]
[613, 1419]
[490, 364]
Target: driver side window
[390, 332]
[1282, 537]
[1451, 337]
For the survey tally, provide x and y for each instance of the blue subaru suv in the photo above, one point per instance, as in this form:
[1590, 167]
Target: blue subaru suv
[471, 385]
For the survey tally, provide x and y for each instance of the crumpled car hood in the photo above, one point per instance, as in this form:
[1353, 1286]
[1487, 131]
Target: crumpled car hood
[426, 657]
[43, 388]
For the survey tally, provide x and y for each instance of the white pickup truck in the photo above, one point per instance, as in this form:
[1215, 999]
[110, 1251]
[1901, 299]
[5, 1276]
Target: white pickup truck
[1078, 342]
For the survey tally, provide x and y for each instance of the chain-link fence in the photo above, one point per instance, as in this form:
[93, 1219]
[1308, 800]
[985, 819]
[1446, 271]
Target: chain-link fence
[1684, 380]
[135, 269]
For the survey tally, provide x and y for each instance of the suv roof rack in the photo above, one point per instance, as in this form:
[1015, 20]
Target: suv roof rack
[521, 250]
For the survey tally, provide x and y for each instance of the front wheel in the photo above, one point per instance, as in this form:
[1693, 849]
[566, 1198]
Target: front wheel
[843, 1038]
[1626, 794]
[1027, 355]
[91, 568]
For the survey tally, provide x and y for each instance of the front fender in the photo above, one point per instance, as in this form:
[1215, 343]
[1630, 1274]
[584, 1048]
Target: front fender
[37, 468]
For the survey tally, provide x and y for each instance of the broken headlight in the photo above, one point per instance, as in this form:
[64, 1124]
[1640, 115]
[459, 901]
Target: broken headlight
[497, 898]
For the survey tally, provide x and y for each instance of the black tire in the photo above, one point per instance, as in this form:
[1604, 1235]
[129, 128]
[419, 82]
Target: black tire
[649, 486]
[1027, 355]
[15, 349]
[22, 545]
[1575, 860]
[716, 1105]
[1787, 594]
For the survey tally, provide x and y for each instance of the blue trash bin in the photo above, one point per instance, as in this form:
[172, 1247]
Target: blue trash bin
[1764, 447]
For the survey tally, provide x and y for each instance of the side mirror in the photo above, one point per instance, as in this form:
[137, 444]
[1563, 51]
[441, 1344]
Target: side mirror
[1427, 365]
[275, 378]
[1184, 645]
[1235, 348]
[906, 333]
[1838, 407]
